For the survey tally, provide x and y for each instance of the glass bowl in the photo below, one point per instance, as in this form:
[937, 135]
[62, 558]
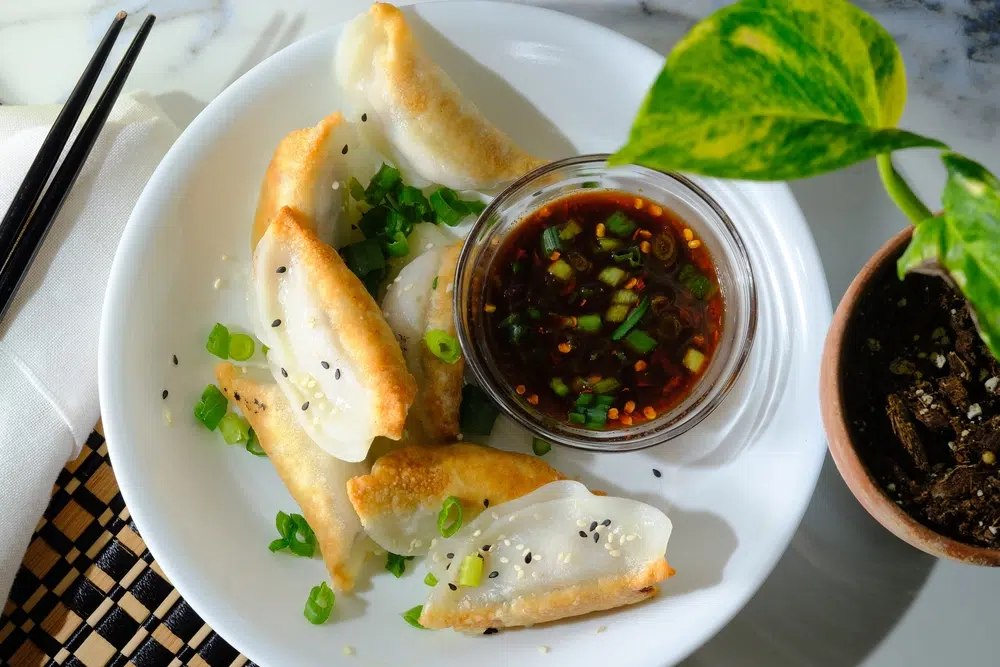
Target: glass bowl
[672, 191]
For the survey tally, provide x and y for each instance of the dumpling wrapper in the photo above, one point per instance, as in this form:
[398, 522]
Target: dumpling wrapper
[420, 301]
[416, 113]
[568, 575]
[399, 501]
[316, 480]
[332, 353]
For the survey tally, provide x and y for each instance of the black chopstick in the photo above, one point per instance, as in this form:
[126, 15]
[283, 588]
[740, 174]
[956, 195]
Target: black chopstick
[26, 246]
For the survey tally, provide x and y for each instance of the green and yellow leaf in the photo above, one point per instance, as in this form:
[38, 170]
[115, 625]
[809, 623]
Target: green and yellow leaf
[963, 243]
[773, 90]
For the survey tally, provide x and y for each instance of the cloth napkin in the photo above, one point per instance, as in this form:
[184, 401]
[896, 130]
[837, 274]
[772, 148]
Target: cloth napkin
[48, 339]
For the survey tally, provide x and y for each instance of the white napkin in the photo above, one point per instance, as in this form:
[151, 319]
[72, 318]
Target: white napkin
[48, 339]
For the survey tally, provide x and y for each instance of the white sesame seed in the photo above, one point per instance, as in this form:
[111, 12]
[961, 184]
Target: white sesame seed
[517, 567]
[316, 421]
[511, 519]
[979, 493]
[536, 556]
[560, 555]
[891, 487]
[168, 417]
[569, 554]
[318, 394]
[417, 544]
[940, 361]
[477, 533]
[433, 542]
[534, 575]
[449, 288]
[607, 545]
[629, 538]
[428, 246]
[581, 523]
[601, 628]
[621, 540]
[519, 547]
[335, 185]
[952, 311]
[964, 433]
[520, 574]
[506, 543]
[224, 257]
[615, 553]
[348, 650]
[244, 370]
[436, 557]
[217, 284]
[310, 384]
[408, 287]
[397, 279]
[951, 445]
[919, 392]
[504, 559]
[543, 649]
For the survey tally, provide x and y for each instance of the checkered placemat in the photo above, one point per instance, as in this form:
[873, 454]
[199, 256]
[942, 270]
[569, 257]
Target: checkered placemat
[89, 592]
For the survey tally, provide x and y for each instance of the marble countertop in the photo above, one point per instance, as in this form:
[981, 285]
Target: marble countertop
[846, 593]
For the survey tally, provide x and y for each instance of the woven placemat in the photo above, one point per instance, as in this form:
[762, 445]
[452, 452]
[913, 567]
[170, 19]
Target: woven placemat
[89, 592]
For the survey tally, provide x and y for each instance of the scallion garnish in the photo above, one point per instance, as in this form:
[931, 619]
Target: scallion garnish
[446, 525]
[357, 190]
[632, 256]
[589, 323]
[234, 429]
[584, 400]
[296, 535]
[319, 605]
[700, 286]
[625, 296]
[611, 276]
[632, 319]
[640, 341]
[241, 347]
[412, 616]
[471, 571]
[607, 385]
[218, 341]
[616, 312]
[619, 225]
[363, 257]
[434, 283]
[398, 246]
[693, 360]
[211, 408]
[477, 412]
[443, 346]
[382, 183]
[609, 245]
[396, 564]
[448, 208]
[253, 445]
[413, 204]
[540, 447]
[577, 417]
[550, 241]
[570, 230]
[430, 579]
[559, 387]
[561, 270]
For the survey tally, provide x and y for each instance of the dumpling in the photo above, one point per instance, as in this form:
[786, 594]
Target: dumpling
[550, 558]
[420, 301]
[315, 479]
[400, 500]
[332, 353]
[416, 114]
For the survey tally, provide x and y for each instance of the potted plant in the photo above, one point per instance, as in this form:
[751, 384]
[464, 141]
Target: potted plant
[787, 89]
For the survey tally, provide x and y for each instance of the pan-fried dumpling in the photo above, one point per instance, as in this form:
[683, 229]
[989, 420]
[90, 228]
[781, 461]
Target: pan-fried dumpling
[550, 558]
[332, 353]
[315, 479]
[399, 502]
[419, 301]
[416, 114]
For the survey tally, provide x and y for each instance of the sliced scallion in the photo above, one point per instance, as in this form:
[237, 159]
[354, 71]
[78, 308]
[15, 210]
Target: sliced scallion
[632, 256]
[396, 564]
[700, 286]
[211, 408]
[398, 246]
[383, 182]
[540, 447]
[584, 400]
[577, 417]
[296, 535]
[570, 230]
[619, 225]
[448, 208]
[253, 445]
[693, 360]
[609, 245]
[625, 296]
[412, 616]
[218, 341]
[589, 323]
[443, 346]
[640, 341]
[607, 386]
[234, 429]
[477, 412]
[561, 270]
[611, 276]
[616, 312]
[430, 579]
[363, 257]
[470, 573]
[632, 319]
[357, 190]
[241, 347]
[319, 605]
[559, 387]
[604, 401]
[446, 525]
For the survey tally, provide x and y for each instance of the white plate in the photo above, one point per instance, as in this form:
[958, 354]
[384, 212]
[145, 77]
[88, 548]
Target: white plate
[559, 85]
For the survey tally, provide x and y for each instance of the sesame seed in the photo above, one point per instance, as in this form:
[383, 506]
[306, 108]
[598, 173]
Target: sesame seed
[325, 365]
[175, 360]
[276, 323]
[569, 554]
[343, 151]
[408, 287]
[165, 394]
[543, 649]
[436, 557]
[281, 269]
[601, 628]
[453, 587]
[597, 538]
[607, 545]
[615, 553]
[318, 394]
[168, 417]
[364, 118]
[520, 574]
[485, 547]
[311, 384]
[336, 374]
[593, 526]
[979, 493]
[583, 533]
[305, 406]
[629, 538]
[517, 568]
[490, 631]
[506, 543]
[534, 575]
[449, 288]
[428, 246]
[217, 284]
[606, 522]
[348, 650]
[316, 420]
[536, 557]
[621, 540]
[581, 523]
[397, 279]
[284, 373]
[494, 574]
[527, 557]
[519, 547]
[504, 560]
[336, 185]
[486, 502]
[657, 473]
[449, 555]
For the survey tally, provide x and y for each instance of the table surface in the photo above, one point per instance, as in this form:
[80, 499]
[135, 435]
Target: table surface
[846, 592]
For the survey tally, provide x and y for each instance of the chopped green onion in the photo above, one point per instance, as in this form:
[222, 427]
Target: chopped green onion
[700, 286]
[234, 429]
[561, 270]
[625, 296]
[264, 349]
[693, 360]
[534, 313]
[517, 267]
[383, 182]
[589, 323]
[540, 447]
[445, 527]
[414, 204]
[609, 245]
[686, 273]
[577, 417]
[550, 241]
[211, 408]
[253, 445]
[559, 387]
[363, 257]
[434, 283]
[296, 535]
[375, 221]
[607, 386]
[241, 347]
[516, 332]
[471, 571]
[448, 208]
[596, 425]
[617, 312]
[632, 319]
[632, 257]
[589, 184]
[412, 616]
[474, 206]
[569, 230]
[398, 246]
[619, 225]
[218, 341]
[430, 579]
[611, 276]
[584, 400]
[604, 400]
[319, 605]
[640, 341]
[357, 190]
[373, 281]
[396, 564]
[443, 346]
[477, 412]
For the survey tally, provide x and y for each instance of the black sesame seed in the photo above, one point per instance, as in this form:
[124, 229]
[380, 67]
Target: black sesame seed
[606, 522]
[354, 227]
[305, 406]
[343, 151]
[236, 395]
[453, 587]
[364, 118]
[527, 557]
[450, 555]
[480, 557]
[494, 574]
[593, 526]
[284, 373]
[490, 631]
[657, 473]
[276, 323]
[597, 538]
[336, 374]
[175, 360]
[164, 394]
[325, 365]
[281, 269]
[583, 534]
[486, 502]
[486, 547]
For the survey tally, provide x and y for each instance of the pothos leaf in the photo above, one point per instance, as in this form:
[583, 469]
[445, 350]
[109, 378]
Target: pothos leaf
[773, 90]
[963, 243]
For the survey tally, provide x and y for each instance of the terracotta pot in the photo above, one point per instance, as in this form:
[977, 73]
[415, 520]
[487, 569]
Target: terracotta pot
[835, 422]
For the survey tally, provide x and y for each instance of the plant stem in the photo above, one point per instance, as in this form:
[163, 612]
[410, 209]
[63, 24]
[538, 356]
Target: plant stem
[900, 191]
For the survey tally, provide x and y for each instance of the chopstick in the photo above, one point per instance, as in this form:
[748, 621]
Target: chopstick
[23, 231]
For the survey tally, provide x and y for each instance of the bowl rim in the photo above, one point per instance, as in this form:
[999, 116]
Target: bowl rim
[668, 430]
[854, 472]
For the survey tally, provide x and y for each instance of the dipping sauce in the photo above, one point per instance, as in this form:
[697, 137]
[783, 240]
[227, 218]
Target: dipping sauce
[603, 309]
